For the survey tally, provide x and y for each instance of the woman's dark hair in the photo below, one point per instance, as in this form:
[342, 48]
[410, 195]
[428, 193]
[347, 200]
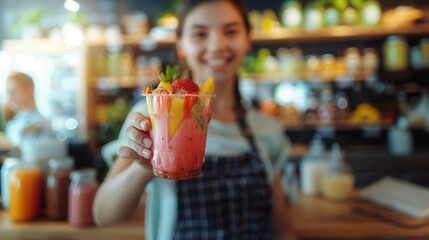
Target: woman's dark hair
[186, 6]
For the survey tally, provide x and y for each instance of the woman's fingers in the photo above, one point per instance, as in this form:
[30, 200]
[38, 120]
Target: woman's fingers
[139, 137]
[139, 121]
[126, 152]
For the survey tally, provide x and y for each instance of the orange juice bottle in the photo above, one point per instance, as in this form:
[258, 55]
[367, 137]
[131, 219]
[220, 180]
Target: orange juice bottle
[25, 187]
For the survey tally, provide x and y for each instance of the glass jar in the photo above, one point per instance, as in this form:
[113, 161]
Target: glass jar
[395, 54]
[338, 181]
[424, 45]
[25, 189]
[371, 13]
[7, 167]
[82, 191]
[313, 16]
[57, 185]
[291, 14]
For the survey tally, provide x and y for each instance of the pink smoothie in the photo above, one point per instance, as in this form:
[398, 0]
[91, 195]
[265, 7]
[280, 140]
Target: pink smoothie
[181, 157]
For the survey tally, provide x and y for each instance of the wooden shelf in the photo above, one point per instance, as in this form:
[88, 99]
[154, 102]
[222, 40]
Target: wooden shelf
[279, 77]
[280, 35]
[336, 33]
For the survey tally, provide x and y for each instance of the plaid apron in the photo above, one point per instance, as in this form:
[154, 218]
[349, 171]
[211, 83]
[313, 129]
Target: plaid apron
[231, 199]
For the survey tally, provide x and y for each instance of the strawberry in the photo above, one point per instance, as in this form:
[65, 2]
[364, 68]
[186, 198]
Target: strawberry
[189, 103]
[185, 86]
[146, 90]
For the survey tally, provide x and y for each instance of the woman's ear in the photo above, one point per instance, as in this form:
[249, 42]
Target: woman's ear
[180, 52]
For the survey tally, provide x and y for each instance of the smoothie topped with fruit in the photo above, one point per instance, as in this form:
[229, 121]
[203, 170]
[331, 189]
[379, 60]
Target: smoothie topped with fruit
[179, 112]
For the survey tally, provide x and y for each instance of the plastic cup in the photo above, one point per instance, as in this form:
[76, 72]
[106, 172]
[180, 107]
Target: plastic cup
[179, 132]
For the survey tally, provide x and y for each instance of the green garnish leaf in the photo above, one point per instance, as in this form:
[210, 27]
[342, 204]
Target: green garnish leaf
[162, 77]
[169, 74]
[176, 72]
[196, 114]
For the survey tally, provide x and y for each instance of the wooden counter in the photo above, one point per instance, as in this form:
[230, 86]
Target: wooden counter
[43, 229]
[316, 218]
[310, 218]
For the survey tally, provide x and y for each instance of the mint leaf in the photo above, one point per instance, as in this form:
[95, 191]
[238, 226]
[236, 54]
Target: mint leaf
[196, 114]
[162, 77]
[169, 74]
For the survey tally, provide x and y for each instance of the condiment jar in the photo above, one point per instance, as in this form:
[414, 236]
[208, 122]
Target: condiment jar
[57, 186]
[338, 180]
[395, 54]
[25, 189]
[82, 191]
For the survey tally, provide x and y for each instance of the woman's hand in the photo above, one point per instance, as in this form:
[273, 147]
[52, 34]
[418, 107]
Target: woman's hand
[139, 142]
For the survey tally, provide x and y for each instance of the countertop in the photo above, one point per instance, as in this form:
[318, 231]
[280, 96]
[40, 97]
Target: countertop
[43, 229]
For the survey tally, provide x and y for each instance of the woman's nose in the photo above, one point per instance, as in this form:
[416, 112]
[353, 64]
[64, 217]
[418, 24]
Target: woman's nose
[217, 41]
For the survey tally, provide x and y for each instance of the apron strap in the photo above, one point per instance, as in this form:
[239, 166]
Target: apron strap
[246, 130]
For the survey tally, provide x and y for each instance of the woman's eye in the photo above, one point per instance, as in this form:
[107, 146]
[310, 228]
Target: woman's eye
[231, 32]
[199, 35]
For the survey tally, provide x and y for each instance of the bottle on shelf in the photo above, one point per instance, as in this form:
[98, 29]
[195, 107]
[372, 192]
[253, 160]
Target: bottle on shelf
[371, 13]
[313, 16]
[312, 167]
[331, 17]
[395, 54]
[400, 139]
[291, 14]
[337, 182]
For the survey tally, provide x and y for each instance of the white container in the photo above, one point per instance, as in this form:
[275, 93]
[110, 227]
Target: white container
[312, 168]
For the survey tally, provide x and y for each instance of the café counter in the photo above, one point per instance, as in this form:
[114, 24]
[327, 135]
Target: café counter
[43, 229]
[317, 218]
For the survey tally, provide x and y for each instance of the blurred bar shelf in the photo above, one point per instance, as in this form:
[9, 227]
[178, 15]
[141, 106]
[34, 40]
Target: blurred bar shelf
[336, 33]
[280, 35]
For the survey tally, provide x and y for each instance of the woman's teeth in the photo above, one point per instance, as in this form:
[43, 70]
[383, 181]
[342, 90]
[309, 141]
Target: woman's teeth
[216, 62]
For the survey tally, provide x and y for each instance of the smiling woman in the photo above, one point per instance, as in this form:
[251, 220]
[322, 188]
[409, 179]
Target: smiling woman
[238, 194]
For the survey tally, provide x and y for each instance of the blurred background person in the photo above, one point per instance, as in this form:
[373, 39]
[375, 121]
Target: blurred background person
[22, 118]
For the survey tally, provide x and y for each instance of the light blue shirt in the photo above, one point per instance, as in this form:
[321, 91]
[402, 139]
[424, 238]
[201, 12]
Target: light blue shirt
[224, 139]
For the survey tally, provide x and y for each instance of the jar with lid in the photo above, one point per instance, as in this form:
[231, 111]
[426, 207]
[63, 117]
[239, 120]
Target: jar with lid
[395, 54]
[25, 189]
[82, 191]
[8, 165]
[57, 186]
[338, 181]
[312, 167]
